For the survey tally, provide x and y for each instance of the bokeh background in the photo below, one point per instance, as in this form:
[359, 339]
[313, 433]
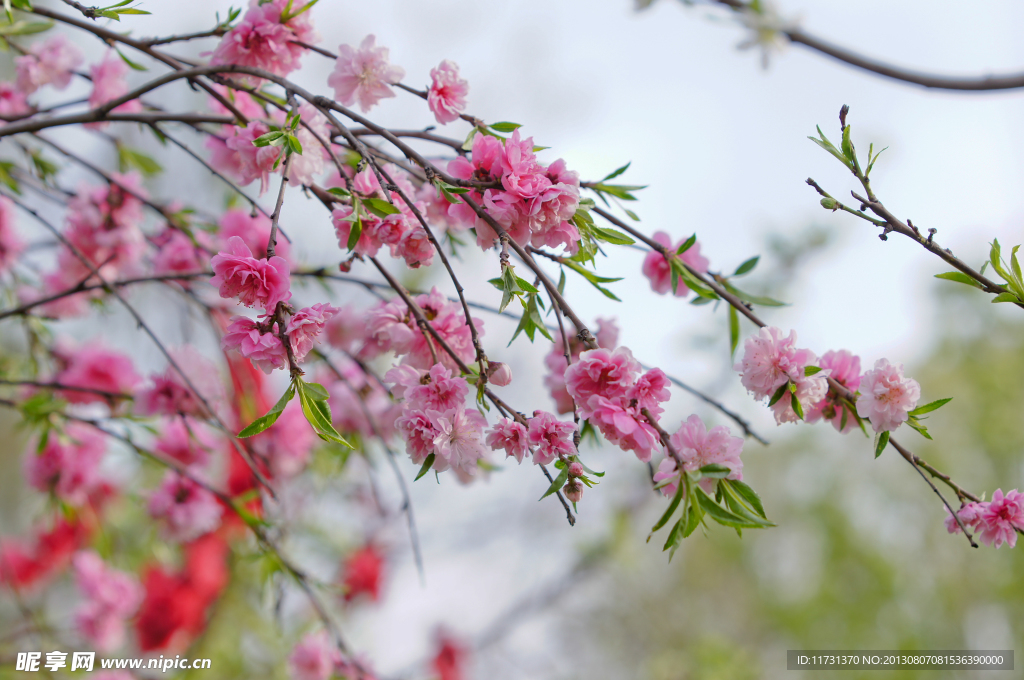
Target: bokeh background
[860, 558]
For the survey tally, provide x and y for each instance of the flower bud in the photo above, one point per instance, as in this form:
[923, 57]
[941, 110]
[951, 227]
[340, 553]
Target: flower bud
[573, 491]
[829, 203]
[575, 469]
[499, 374]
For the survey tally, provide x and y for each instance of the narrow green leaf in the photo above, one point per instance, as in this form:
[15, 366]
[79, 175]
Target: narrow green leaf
[671, 510]
[796, 406]
[557, 484]
[811, 370]
[315, 391]
[720, 514]
[686, 245]
[881, 441]
[380, 207]
[427, 463]
[617, 172]
[715, 471]
[734, 329]
[747, 495]
[611, 236]
[1005, 297]
[929, 407]
[505, 126]
[747, 266]
[959, 277]
[778, 394]
[265, 421]
[675, 537]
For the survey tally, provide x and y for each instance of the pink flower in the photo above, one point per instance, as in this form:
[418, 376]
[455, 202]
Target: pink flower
[368, 242]
[809, 390]
[600, 372]
[657, 269]
[769, 361]
[254, 282]
[11, 245]
[287, 444]
[999, 519]
[249, 162]
[499, 374]
[110, 598]
[253, 229]
[305, 325]
[95, 368]
[108, 84]
[844, 368]
[509, 435]
[415, 248]
[697, 446]
[435, 391]
[969, 514]
[314, 658]
[886, 396]
[263, 348]
[458, 443]
[550, 437]
[51, 62]
[177, 253]
[170, 395]
[261, 40]
[624, 426]
[667, 469]
[188, 442]
[364, 75]
[12, 101]
[447, 94]
[68, 466]
[607, 337]
[650, 390]
[419, 432]
[104, 226]
[188, 509]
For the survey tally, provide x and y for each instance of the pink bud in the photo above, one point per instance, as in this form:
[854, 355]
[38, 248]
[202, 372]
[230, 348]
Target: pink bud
[499, 374]
[575, 469]
[573, 491]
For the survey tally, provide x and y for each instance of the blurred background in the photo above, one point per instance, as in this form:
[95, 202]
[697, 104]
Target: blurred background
[860, 558]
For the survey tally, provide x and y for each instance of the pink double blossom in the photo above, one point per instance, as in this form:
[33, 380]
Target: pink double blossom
[246, 161]
[188, 509]
[364, 75]
[110, 598]
[435, 390]
[254, 282]
[607, 337]
[261, 40]
[550, 437]
[844, 368]
[771, 360]
[262, 347]
[697, 446]
[601, 372]
[306, 325]
[68, 465]
[446, 96]
[51, 62]
[623, 424]
[511, 436]
[109, 83]
[458, 443]
[659, 272]
[887, 396]
[999, 519]
[94, 367]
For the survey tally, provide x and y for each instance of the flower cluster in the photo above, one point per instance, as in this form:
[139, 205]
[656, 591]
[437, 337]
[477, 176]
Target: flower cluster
[534, 203]
[697, 446]
[266, 38]
[110, 597]
[435, 420]
[771, 363]
[50, 62]
[996, 521]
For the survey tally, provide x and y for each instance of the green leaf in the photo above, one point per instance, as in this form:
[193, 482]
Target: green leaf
[262, 423]
[691, 281]
[316, 391]
[778, 394]
[338, 191]
[959, 277]
[556, 484]
[1005, 297]
[746, 494]
[130, 159]
[427, 463]
[811, 370]
[356, 230]
[715, 471]
[505, 126]
[723, 516]
[611, 236]
[617, 172]
[272, 138]
[380, 207]
[675, 537]
[753, 299]
[797, 408]
[622, 192]
[686, 245]
[734, 329]
[531, 322]
[671, 510]
[25, 27]
[318, 413]
[692, 516]
[747, 266]
[881, 441]
[929, 407]
[828, 146]
[593, 278]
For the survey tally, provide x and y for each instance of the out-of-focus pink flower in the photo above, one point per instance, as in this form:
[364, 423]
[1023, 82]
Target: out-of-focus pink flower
[170, 395]
[886, 396]
[447, 94]
[451, 658]
[11, 245]
[12, 101]
[188, 509]
[363, 572]
[391, 327]
[249, 162]
[368, 243]
[509, 435]
[844, 368]
[314, 658]
[600, 372]
[305, 325]
[346, 330]
[68, 466]
[253, 229]
[263, 348]
[189, 443]
[364, 75]
[108, 84]
[667, 469]
[770, 360]
[550, 437]
[110, 598]
[999, 519]
[499, 374]
[93, 367]
[287, 444]
[104, 226]
[657, 269]
[254, 282]
[698, 446]
[261, 40]
[969, 514]
[177, 253]
[50, 62]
